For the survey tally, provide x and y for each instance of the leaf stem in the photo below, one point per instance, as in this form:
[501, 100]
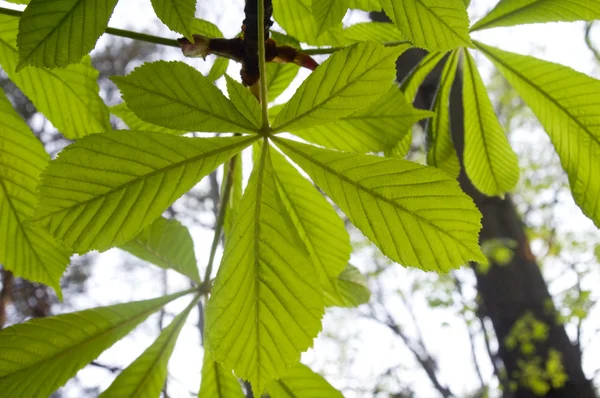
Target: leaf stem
[114, 31]
[219, 223]
[331, 50]
[262, 67]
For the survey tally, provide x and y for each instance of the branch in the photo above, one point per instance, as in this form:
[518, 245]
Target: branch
[5, 294]
[588, 41]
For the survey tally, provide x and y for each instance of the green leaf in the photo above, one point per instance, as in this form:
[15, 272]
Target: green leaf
[235, 196]
[244, 101]
[266, 289]
[175, 95]
[520, 12]
[441, 152]
[377, 127]
[302, 382]
[146, 376]
[284, 40]
[412, 82]
[27, 251]
[373, 31]
[18, 1]
[218, 68]
[206, 28]
[217, 382]
[279, 77]
[135, 123]
[565, 103]
[431, 24]
[409, 211]
[363, 73]
[328, 13]
[490, 162]
[104, 189]
[40, 355]
[56, 33]
[365, 5]
[178, 15]
[352, 287]
[80, 110]
[169, 245]
[320, 228]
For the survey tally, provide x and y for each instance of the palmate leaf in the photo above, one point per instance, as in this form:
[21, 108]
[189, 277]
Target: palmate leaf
[320, 228]
[266, 304]
[566, 103]
[435, 25]
[217, 382]
[178, 15]
[373, 31]
[175, 95]
[490, 162]
[27, 251]
[104, 189]
[519, 12]
[375, 128]
[135, 123]
[167, 244]
[302, 382]
[352, 287]
[244, 101]
[56, 33]
[146, 376]
[363, 73]
[80, 110]
[409, 211]
[40, 355]
[441, 152]
[328, 13]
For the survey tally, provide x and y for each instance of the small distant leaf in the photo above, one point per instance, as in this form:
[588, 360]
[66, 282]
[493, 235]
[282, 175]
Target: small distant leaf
[328, 13]
[373, 31]
[60, 33]
[175, 95]
[280, 300]
[519, 12]
[218, 68]
[406, 209]
[178, 15]
[27, 251]
[104, 189]
[216, 382]
[244, 101]
[302, 382]
[80, 110]
[364, 72]
[146, 376]
[279, 77]
[377, 127]
[168, 244]
[431, 24]
[441, 152]
[352, 287]
[565, 102]
[365, 5]
[490, 162]
[135, 123]
[320, 228]
[597, 252]
[34, 364]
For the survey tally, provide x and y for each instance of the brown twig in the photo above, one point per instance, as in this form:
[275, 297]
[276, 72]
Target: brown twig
[5, 294]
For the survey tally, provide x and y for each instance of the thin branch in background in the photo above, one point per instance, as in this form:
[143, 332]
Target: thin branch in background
[588, 41]
[496, 362]
[111, 369]
[5, 294]
[161, 319]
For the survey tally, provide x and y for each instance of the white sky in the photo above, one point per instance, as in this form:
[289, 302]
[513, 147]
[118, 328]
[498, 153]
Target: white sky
[377, 349]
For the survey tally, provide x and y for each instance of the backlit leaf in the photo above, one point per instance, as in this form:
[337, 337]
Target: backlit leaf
[218, 69]
[146, 376]
[363, 73]
[373, 31]
[168, 244]
[178, 15]
[60, 32]
[365, 5]
[80, 110]
[27, 251]
[217, 382]
[409, 211]
[175, 95]
[40, 355]
[135, 123]
[302, 382]
[320, 228]
[377, 127]
[103, 190]
[434, 25]
[490, 162]
[352, 287]
[235, 196]
[412, 82]
[566, 103]
[244, 101]
[441, 152]
[328, 13]
[279, 77]
[519, 12]
[266, 290]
